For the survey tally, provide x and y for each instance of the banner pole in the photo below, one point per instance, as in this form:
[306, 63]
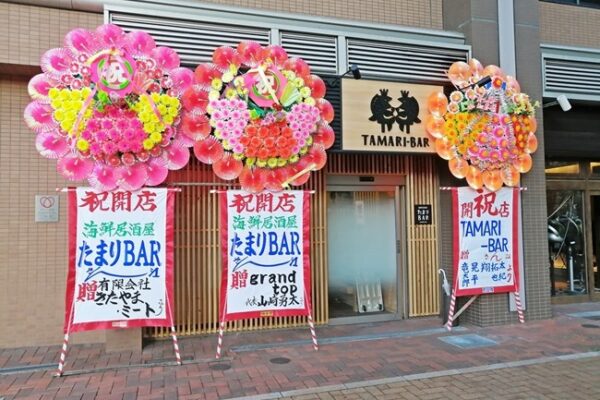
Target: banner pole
[451, 310]
[63, 352]
[173, 332]
[519, 307]
[311, 324]
[220, 339]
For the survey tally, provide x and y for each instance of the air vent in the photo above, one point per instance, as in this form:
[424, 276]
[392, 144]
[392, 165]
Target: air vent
[193, 40]
[576, 79]
[404, 62]
[320, 52]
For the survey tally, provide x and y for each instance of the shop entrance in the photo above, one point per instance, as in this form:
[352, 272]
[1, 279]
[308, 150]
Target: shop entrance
[364, 249]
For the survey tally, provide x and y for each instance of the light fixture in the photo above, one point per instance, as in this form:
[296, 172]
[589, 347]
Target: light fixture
[562, 101]
[354, 70]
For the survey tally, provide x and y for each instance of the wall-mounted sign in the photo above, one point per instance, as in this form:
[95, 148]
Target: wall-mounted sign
[46, 208]
[423, 214]
[385, 116]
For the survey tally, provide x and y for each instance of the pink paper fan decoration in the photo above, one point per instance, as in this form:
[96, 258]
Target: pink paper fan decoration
[317, 156]
[51, 145]
[228, 167]
[296, 169]
[274, 179]
[195, 125]
[110, 35]
[252, 180]
[38, 116]
[195, 98]
[54, 62]
[176, 156]
[275, 53]
[132, 178]
[250, 52]
[39, 86]
[74, 168]
[208, 150]
[166, 57]
[139, 42]
[182, 78]
[224, 56]
[81, 40]
[157, 171]
[104, 178]
[324, 135]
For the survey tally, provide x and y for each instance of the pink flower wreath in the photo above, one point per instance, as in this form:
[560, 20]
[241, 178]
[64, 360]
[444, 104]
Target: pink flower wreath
[107, 106]
[259, 116]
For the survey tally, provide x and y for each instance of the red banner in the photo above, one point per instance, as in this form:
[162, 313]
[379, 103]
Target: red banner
[120, 259]
[265, 244]
[486, 240]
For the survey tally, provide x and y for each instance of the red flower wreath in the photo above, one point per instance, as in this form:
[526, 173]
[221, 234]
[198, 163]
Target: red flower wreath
[259, 116]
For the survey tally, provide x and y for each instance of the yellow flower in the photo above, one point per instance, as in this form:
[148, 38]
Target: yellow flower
[310, 101]
[298, 82]
[168, 119]
[148, 144]
[162, 109]
[154, 96]
[82, 145]
[305, 91]
[230, 93]
[156, 137]
[216, 84]
[213, 95]
[227, 77]
[59, 115]
[53, 93]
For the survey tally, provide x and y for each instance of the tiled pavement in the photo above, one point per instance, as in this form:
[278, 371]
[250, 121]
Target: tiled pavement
[554, 359]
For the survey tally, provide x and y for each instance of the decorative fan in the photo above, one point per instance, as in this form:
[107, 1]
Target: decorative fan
[486, 130]
[259, 116]
[107, 106]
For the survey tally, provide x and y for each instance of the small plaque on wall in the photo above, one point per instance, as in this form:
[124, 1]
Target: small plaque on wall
[422, 214]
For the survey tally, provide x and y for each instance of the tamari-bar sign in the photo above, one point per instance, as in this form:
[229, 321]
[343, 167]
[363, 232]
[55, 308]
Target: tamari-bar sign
[385, 116]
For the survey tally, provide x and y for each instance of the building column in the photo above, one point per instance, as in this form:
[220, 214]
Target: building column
[483, 22]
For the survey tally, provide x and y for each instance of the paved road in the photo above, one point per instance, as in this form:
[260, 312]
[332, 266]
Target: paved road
[562, 380]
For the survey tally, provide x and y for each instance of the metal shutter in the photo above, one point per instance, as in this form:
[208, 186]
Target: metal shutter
[193, 40]
[320, 52]
[406, 62]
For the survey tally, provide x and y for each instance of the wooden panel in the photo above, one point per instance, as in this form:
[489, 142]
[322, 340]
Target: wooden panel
[197, 255]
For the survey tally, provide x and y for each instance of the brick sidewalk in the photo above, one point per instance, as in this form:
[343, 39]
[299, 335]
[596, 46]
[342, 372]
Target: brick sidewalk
[348, 354]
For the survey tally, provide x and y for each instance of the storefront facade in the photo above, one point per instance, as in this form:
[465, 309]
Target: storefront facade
[381, 228]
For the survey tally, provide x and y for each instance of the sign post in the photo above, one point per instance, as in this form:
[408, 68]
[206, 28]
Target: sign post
[486, 245]
[265, 245]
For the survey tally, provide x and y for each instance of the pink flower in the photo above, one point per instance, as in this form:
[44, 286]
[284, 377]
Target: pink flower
[109, 148]
[107, 124]
[122, 124]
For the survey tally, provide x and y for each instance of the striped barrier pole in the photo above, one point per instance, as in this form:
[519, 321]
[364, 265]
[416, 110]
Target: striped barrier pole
[175, 345]
[451, 311]
[519, 307]
[63, 356]
[220, 340]
[313, 334]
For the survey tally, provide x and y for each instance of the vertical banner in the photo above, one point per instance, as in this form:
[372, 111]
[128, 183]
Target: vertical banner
[120, 259]
[486, 240]
[265, 248]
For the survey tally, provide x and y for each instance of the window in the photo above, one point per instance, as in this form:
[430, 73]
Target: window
[562, 168]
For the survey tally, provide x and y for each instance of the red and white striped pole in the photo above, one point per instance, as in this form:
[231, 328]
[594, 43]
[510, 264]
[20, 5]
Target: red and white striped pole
[451, 310]
[220, 340]
[175, 345]
[313, 334]
[63, 355]
[173, 332]
[519, 307]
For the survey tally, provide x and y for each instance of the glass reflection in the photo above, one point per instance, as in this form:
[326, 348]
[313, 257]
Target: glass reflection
[568, 274]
